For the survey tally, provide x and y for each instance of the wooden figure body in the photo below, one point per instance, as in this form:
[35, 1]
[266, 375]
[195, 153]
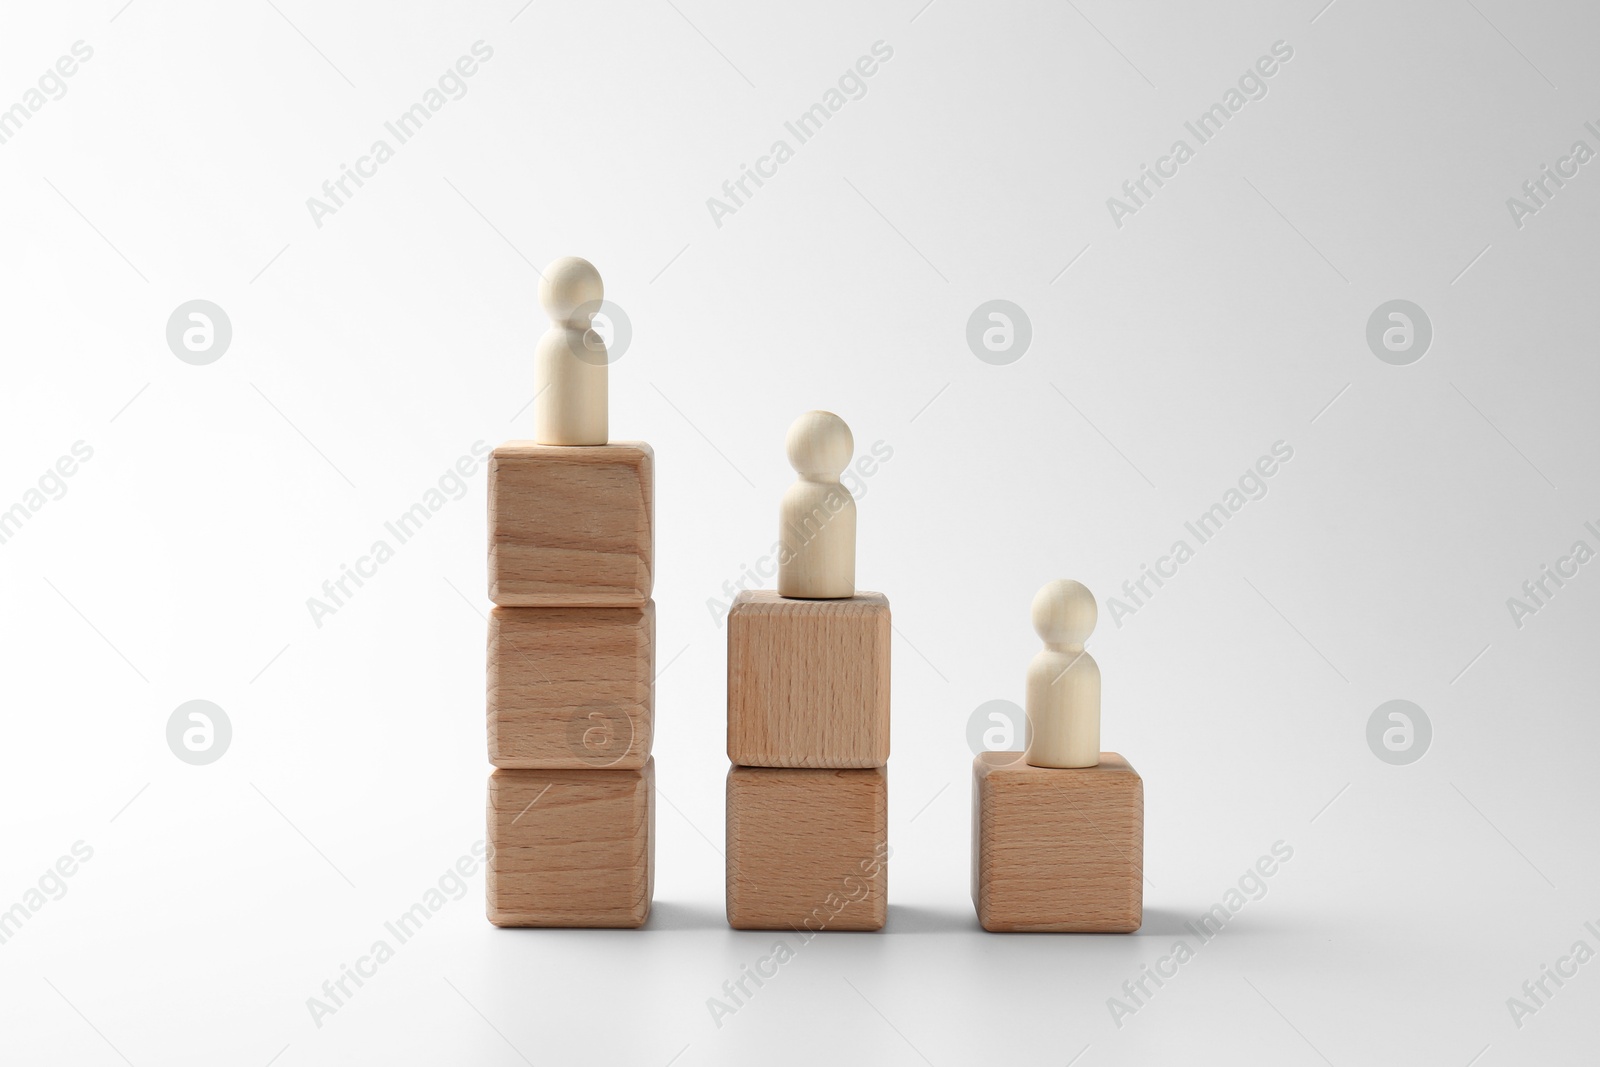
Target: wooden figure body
[817, 519]
[570, 405]
[1063, 680]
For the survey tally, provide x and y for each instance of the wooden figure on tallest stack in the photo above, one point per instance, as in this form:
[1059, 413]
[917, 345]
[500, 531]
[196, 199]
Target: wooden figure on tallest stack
[808, 715]
[571, 400]
[571, 664]
[1058, 830]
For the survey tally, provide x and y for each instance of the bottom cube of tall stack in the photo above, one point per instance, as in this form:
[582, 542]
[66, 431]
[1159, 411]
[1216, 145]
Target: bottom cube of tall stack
[1057, 849]
[571, 847]
[807, 848]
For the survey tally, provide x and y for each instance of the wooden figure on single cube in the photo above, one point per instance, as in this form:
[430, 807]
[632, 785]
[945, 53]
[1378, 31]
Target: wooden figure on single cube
[1058, 830]
[808, 665]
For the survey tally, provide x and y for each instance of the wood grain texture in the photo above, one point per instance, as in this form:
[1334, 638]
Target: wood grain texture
[571, 848]
[571, 687]
[1057, 849]
[807, 849]
[808, 681]
[571, 526]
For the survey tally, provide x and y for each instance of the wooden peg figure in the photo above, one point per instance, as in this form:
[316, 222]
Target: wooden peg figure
[817, 520]
[570, 405]
[1063, 680]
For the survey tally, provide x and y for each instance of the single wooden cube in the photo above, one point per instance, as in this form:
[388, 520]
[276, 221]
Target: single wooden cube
[1057, 849]
[808, 681]
[571, 526]
[571, 687]
[571, 848]
[807, 849]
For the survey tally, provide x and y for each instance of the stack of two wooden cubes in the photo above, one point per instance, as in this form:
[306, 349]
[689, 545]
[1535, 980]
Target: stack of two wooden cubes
[571, 684]
[808, 734]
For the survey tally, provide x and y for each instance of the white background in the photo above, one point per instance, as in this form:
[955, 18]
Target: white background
[370, 353]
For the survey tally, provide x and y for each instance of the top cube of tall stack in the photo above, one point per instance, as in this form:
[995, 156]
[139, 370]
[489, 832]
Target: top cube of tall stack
[571, 527]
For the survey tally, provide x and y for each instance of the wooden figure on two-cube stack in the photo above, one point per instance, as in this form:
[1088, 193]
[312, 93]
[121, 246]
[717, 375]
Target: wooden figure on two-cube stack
[1058, 830]
[571, 659]
[808, 715]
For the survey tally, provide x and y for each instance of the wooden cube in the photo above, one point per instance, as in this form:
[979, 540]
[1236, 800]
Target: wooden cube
[807, 849]
[1057, 849]
[571, 526]
[571, 687]
[571, 848]
[808, 681]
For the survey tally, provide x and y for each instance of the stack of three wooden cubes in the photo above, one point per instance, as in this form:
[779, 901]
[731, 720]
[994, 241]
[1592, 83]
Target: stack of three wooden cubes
[570, 688]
